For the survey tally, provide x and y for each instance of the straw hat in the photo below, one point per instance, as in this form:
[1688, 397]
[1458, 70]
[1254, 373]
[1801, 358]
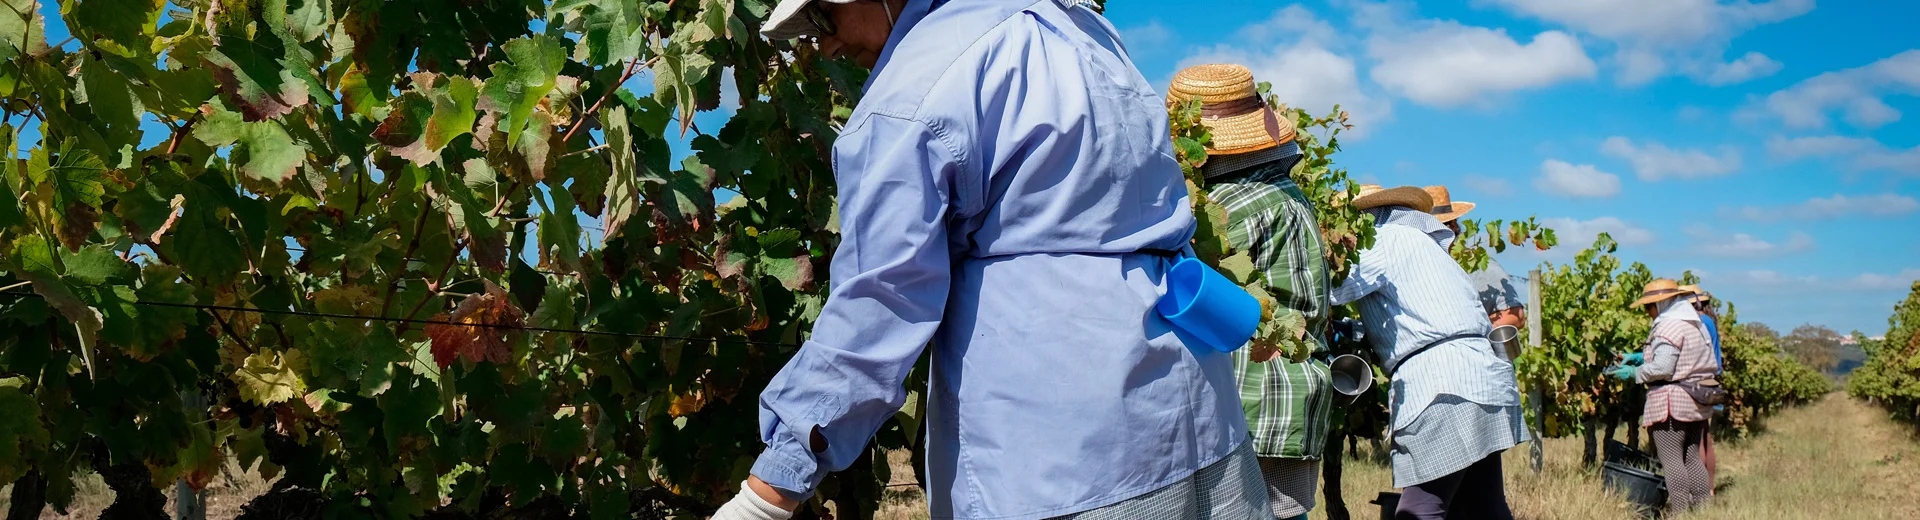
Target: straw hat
[788, 22]
[1444, 208]
[1240, 121]
[1658, 291]
[1701, 294]
[1373, 196]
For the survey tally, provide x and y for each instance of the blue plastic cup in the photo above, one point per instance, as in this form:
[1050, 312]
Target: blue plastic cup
[1208, 307]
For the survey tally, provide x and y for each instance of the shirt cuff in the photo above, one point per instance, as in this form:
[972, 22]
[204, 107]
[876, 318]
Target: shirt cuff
[790, 469]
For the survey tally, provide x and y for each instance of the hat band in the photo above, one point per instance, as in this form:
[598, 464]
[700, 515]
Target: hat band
[1443, 208]
[1661, 292]
[1244, 106]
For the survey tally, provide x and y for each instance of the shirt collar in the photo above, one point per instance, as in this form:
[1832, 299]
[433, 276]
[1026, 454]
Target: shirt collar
[1419, 220]
[910, 16]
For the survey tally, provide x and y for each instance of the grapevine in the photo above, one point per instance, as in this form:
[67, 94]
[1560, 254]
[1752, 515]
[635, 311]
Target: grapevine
[416, 257]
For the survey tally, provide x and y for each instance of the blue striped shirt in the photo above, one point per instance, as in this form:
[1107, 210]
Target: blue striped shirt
[996, 182]
[1411, 296]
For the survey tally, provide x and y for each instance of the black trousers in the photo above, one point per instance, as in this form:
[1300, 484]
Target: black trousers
[1477, 492]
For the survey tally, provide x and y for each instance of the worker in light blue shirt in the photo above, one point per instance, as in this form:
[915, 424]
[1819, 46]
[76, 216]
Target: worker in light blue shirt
[1007, 191]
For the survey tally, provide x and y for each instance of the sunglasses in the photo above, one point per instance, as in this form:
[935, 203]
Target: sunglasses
[822, 20]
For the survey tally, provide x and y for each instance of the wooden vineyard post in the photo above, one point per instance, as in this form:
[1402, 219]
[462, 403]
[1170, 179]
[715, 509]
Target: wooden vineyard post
[189, 504]
[1534, 309]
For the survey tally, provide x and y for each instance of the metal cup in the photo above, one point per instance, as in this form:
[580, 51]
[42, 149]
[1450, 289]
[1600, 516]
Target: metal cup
[1508, 338]
[1351, 377]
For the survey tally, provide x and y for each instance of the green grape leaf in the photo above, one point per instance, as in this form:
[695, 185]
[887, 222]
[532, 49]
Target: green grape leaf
[98, 265]
[117, 26]
[268, 377]
[424, 120]
[589, 188]
[676, 73]
[1239, 267]
[305, 19]
[623, 182]
[519, 83]
[21, 433]
[404, 130]
[361, 98]
[70, 188]
[22, 30]
[711, 22]
[110, 97]
[264, 150]
[556, 308]
[615, 31]
[261, 76]
[686, 201]
[560, 233]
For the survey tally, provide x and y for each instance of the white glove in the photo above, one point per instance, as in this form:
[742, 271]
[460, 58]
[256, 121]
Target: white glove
[749, 506]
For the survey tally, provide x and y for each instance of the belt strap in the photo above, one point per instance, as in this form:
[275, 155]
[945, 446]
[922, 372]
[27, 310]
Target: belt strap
[1410, 355]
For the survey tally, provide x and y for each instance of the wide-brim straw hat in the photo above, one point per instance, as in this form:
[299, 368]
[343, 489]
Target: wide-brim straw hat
[1230, 108]
[787, 22]
[1374, 196]
[1660, 290]
[1444, 207]
[1698, 293]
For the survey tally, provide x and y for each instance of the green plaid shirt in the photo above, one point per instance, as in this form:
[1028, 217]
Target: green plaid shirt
[1287, 404]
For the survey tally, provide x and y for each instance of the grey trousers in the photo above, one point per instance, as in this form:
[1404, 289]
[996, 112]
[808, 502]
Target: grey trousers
[1230, 489]
[1684, 461]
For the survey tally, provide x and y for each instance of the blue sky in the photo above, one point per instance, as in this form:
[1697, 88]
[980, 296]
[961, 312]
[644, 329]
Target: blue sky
[1766, 146]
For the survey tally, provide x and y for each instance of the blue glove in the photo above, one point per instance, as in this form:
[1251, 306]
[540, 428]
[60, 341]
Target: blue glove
[1623, 373]
[1634, 359]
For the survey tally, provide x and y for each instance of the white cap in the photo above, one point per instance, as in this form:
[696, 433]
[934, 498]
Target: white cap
[787, 23]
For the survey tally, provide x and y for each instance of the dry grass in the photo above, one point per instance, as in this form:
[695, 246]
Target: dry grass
[1834, 459]
[1562, 490]
[223, 498]
[1837, 458]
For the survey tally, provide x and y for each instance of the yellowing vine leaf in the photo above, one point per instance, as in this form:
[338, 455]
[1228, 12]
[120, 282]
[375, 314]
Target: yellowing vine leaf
[268, 377]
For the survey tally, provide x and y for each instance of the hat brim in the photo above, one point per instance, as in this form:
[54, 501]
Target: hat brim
[1458, 209]
[1408, 196]
[1660, 296]
[786, 23]
[1245, 132]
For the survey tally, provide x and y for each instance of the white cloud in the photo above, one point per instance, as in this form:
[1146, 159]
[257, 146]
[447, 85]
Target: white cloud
[1753, 65]
[1660, 21]
[1489, 186]
[1829, 208]
[1576, 181]
[1291, 51]
[1447, 64]
[1690, 114]
[1656, 37]
[1742, 245]
[1904, 161]
[1900, 281]
[1817, 146]
[1291, 22]
[1576, 235]
[1152, 35]
[1654, 161]
[1770, 281]
[1857, 93]
[1861, 154]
